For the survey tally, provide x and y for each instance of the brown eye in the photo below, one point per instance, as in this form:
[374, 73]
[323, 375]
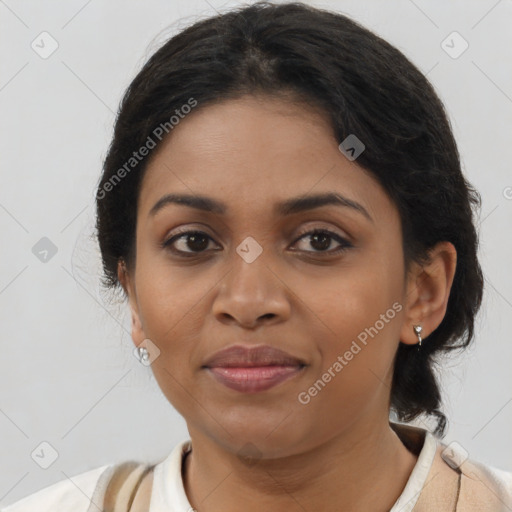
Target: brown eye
[188, 242]
[321, 240]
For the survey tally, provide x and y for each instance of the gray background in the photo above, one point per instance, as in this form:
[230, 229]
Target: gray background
[67, 372]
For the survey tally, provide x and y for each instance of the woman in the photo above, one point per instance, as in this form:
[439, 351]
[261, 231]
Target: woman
[283, 206]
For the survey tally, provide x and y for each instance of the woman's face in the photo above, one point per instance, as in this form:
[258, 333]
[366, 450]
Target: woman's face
[256, 275]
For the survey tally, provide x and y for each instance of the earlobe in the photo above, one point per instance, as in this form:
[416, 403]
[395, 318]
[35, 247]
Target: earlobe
[427, 293]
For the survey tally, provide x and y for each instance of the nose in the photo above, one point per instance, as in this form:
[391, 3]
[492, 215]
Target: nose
[251, 294]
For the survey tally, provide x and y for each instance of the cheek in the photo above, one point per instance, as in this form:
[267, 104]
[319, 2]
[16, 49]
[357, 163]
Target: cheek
[356, 353]
[350, 298]
[167, 294]
[172, 318]
[359, 312]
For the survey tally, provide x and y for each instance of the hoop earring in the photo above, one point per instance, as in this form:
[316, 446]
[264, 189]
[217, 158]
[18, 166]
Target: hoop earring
[417, 330]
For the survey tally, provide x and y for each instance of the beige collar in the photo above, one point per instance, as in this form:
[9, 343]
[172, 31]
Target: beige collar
[454, 482]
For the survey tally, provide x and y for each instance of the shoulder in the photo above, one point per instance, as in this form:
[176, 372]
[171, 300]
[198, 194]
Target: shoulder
[483, 487]
[72, 493]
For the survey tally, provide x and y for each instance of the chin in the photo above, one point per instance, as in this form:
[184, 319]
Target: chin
[261, 439]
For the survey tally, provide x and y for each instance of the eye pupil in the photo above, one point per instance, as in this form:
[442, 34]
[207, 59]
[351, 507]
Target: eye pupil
[325, 240]
[192, 242]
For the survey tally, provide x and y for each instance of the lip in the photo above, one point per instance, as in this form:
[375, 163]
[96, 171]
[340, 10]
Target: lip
[254, 369]
[241, 356]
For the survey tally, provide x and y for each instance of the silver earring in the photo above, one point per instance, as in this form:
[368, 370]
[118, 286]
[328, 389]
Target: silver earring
[143, 354]
[417, 330]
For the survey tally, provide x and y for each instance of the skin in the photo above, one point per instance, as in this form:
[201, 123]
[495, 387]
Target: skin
[337, 452]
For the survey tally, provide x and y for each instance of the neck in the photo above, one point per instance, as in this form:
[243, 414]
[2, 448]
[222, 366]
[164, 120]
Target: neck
[350, 472]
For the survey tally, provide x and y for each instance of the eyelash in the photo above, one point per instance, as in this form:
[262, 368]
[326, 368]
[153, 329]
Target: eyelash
[345, 244]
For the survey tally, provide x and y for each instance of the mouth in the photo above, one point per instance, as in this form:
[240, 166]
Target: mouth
[255, 378]
[251, 370]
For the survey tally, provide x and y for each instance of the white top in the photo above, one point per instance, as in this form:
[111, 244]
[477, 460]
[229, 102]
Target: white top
[168, 493]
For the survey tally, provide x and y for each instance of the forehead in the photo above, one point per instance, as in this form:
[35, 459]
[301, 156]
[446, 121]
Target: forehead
[254, 151]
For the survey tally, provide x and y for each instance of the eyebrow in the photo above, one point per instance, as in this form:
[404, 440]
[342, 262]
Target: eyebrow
[287, 207]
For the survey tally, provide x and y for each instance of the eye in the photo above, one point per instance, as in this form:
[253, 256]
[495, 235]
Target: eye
[197, 241]
[321, 239]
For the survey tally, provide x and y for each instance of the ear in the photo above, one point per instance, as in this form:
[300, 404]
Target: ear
[128, 284]
[427, 291]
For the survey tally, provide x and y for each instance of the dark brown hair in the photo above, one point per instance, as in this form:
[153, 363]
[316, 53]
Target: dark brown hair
[367, 87]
